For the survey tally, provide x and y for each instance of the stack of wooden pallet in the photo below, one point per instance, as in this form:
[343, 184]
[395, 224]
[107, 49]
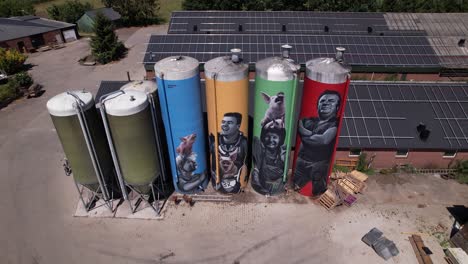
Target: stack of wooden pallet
[354, 182]
[343, 190]
[331, 198]
[348, 163]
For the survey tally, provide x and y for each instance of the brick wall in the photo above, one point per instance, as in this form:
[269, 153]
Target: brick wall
[419, 159]
[13, 44]
[49, 37]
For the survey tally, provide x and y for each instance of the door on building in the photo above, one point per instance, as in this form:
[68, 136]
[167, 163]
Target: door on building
[37, 41]
[21, 47]
[59, 38]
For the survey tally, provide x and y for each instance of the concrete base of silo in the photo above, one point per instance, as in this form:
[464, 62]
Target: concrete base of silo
[120, 209]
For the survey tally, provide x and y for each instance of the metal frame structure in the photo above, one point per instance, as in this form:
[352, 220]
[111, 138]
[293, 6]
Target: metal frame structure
[123, 185]
[102, 192]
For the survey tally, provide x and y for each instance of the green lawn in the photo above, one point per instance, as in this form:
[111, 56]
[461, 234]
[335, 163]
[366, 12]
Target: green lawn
[167, 6]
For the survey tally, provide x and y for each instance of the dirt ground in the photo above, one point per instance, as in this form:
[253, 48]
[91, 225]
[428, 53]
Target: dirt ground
[37, 201]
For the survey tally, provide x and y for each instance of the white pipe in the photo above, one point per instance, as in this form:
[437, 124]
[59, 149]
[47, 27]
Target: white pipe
[90, 146]
[111, 143]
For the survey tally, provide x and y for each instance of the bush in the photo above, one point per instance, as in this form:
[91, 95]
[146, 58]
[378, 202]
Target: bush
[461, 171]
[22, 79]
[341, 168]
[106, 46]
[362, 163]
[11, 61]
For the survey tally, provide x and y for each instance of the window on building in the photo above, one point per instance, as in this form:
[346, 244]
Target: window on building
[354, 152]
[450, 154]
[401, 153]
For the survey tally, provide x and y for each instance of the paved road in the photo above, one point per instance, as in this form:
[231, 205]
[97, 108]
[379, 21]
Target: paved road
[37, 201]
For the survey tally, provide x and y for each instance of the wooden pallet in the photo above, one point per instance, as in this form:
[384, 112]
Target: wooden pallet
[337, 175]
[351, 185]
[448, 260]
[348, 163]
[358, 175]
[329, 200]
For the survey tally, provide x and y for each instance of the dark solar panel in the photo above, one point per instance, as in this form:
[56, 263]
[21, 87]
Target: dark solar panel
[385, 115]
[284, 22]
[107, 87]
[361, 50]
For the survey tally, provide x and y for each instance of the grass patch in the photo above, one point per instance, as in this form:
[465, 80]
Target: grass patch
[341, 168]
[442, 239]
[41, 8]
[167, 6]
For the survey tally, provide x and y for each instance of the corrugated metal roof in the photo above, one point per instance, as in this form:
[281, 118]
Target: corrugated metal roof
[18, 27]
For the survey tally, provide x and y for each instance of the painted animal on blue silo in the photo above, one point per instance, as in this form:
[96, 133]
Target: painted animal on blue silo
[186, 144]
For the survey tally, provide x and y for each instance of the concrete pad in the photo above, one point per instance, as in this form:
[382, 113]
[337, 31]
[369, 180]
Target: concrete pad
[100, 209]
[144, 211]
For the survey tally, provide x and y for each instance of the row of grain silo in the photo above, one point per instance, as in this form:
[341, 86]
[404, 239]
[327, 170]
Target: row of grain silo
[141, 137]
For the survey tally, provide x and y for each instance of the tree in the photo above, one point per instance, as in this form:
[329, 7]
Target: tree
[228, 5]
[107, 3]
[70, 11]
[136, 12]
[105, 45]
[255, 5]
[198, 4]
[9, 8]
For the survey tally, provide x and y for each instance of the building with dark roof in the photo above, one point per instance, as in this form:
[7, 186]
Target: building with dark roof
[86, 21]
[413, 46]
[28, 33]
[424, 124]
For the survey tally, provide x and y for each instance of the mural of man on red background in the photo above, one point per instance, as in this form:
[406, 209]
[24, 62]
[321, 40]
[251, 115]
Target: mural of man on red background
[318, 128]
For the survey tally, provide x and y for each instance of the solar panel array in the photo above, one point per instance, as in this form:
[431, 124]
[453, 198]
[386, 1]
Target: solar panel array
[384, 51]
[283, 22]
[386, 115]
[443, 32]
[383, 115]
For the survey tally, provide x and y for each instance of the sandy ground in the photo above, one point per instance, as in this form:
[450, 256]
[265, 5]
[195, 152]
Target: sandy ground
[38, 202]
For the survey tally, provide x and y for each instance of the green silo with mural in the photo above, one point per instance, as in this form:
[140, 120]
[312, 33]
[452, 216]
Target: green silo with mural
[276, 92]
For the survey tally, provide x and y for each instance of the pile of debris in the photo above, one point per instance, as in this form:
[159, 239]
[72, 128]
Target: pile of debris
[343, 189]
[384, 247]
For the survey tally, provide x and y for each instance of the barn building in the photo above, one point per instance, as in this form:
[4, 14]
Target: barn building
[29, 33]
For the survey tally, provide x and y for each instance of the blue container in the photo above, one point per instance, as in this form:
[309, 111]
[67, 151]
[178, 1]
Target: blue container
[181, 106]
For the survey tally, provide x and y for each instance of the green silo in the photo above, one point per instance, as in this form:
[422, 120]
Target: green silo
[62, 109]
[131, 127]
